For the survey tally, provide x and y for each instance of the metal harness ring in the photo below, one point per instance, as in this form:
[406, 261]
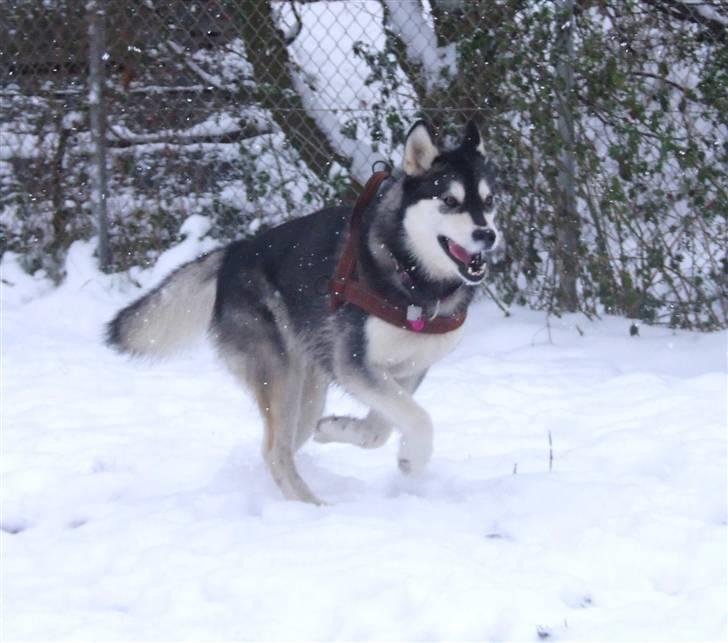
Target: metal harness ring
[387, 167]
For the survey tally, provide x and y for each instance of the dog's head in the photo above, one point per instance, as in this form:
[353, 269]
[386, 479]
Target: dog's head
[448, 206]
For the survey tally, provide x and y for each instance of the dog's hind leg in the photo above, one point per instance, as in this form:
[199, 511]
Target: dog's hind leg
[370, 432]
[279, 395]
[277, 384]
[251, 328]
[313, 399]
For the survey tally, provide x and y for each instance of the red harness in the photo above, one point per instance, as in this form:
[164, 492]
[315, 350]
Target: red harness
[345, 287]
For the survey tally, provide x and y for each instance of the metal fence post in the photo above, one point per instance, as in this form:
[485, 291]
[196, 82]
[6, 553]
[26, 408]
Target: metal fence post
[97, 114]
[567, 218]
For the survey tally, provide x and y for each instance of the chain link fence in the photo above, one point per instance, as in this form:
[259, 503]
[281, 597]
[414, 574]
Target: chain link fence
[608, 122]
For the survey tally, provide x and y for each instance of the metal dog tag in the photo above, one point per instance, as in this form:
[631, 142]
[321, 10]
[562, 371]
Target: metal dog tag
[414, 318]
[414, 312]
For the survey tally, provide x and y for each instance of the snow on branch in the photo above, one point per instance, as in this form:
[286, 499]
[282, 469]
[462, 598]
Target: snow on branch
[358, 152]
[699, 12]
[707, 10]
[407, 20]
[209, 79]
[222, 128]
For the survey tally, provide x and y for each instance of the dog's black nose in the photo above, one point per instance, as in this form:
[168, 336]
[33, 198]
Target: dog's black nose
[486, 235]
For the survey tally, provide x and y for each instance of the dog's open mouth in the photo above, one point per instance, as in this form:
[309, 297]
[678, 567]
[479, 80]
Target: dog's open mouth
[472, 266]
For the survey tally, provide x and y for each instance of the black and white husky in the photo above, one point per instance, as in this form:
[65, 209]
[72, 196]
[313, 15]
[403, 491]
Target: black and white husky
[424, 242]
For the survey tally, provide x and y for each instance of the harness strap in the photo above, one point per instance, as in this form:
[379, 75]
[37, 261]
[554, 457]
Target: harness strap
[347, 262]
[344, 287]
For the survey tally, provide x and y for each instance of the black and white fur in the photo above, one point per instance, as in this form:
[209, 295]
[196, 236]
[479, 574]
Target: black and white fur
[424, 241]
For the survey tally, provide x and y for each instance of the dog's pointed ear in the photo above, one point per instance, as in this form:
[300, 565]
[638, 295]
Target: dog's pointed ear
[473, 140]
[419, 150]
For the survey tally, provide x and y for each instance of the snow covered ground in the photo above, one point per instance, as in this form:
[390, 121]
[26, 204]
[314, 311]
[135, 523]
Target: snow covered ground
[135, 504]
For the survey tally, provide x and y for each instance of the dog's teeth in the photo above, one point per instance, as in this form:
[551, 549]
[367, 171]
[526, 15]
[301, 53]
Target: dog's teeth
[475, 272]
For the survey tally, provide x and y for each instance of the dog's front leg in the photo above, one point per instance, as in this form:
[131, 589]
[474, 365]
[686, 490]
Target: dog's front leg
[369, 432]
[386, 396]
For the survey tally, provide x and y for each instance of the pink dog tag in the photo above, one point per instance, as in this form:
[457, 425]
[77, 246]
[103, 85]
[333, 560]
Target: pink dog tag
[416, 324]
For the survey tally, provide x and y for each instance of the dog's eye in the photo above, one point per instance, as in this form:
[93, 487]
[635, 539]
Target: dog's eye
[451, 202]
[488, 203]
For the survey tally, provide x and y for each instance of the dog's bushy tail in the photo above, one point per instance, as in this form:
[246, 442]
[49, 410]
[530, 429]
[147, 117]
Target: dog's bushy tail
[175, 312]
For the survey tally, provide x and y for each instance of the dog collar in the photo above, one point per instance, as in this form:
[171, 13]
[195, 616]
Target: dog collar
[345, 287]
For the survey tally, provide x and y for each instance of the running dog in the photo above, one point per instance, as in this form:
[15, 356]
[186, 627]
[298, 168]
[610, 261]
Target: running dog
[370, 305]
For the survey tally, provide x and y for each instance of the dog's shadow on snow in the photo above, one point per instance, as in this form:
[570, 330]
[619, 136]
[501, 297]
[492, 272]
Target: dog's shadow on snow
[245, 479]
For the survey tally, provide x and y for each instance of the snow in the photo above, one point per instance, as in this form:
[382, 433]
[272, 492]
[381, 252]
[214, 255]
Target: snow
[26, 145]
[135, 504]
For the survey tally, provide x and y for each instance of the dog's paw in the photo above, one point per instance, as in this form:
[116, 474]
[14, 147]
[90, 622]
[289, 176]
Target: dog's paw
[374, 438]
[351, 430]
[324, 432]
[414, 453]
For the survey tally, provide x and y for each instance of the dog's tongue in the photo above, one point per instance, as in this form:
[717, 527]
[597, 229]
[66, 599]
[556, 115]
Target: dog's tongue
[460, 253]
